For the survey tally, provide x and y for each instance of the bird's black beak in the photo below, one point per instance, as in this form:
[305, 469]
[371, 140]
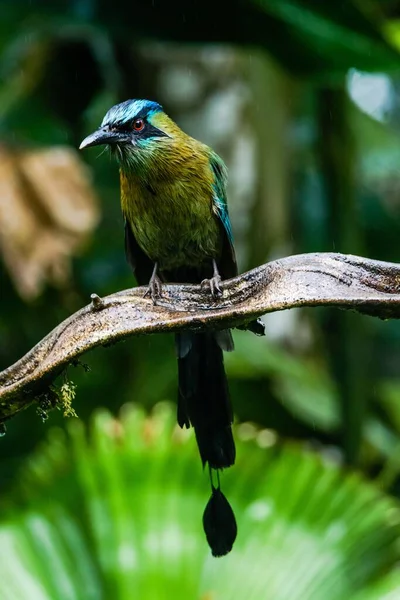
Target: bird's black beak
[104, 136]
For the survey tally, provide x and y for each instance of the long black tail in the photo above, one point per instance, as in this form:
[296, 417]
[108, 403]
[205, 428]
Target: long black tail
[203, 402]
[203, 396]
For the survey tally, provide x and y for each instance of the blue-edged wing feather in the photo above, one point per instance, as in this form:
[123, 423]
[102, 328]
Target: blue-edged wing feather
[227, 262]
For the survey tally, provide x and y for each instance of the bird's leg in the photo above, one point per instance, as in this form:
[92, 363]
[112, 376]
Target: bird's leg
[214, 282]
[155, 285]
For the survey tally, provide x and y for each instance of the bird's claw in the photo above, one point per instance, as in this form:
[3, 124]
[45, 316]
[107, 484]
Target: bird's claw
[155, 288]
[214, 285]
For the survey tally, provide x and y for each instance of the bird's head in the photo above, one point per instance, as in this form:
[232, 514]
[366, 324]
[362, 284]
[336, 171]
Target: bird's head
[138, 132]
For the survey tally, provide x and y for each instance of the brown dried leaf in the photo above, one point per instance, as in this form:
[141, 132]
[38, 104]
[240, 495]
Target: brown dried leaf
[62, 188]
[47, 211]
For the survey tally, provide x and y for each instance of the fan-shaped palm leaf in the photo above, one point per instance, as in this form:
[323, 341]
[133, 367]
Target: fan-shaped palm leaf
[117, 514]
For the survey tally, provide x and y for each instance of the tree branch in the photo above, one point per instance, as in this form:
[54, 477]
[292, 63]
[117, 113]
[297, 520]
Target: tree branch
[320, 279]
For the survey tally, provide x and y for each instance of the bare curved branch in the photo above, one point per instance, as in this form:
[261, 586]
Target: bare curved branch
[320, 279]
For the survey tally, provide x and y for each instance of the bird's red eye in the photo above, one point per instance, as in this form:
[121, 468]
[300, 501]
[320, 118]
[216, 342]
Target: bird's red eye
[138, 124]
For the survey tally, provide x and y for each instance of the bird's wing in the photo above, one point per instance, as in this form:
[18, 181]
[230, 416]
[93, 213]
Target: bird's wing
[140, 263]
[227, 263]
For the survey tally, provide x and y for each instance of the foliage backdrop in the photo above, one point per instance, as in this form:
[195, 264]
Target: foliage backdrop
[280, 89]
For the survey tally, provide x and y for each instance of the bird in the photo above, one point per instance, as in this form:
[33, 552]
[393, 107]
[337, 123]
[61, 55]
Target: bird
[178, 230]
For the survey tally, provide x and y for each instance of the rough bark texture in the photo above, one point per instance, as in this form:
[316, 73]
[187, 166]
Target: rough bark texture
[320, 279]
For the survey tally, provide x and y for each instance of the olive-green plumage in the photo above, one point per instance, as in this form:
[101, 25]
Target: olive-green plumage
[168, 200]
[177, 229]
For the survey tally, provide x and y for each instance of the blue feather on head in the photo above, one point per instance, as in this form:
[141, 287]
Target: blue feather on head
[130, 109]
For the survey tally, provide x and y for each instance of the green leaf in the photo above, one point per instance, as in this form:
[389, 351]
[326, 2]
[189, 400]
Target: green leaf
[303, 386]
[117, 514]
[326, 39]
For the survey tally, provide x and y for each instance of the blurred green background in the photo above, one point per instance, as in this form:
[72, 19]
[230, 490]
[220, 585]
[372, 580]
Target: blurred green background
[302, 100]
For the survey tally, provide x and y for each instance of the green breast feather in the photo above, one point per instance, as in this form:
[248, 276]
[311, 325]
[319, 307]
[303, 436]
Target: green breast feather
[172, 221]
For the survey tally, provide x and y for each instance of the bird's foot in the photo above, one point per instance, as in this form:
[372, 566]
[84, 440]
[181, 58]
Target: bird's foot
[155, 288]
[214, 285]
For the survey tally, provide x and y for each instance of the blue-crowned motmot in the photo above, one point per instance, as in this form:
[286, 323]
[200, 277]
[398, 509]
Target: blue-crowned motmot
[177, 229]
